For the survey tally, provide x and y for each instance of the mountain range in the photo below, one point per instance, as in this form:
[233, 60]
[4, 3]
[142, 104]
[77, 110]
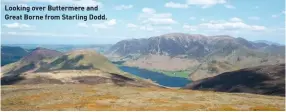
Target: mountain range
[202, 56]
[267, 42]
[45, 79]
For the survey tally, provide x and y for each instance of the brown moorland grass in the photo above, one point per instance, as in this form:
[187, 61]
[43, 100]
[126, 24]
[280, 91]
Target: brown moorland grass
[111, 97]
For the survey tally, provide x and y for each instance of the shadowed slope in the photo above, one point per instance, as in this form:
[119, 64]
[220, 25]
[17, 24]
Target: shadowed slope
[268, 80]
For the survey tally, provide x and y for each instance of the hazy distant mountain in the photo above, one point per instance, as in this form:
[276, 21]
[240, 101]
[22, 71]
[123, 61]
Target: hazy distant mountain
[268, 80]
[64, 48]
[266, 42]
[11, 54]
[203, 56]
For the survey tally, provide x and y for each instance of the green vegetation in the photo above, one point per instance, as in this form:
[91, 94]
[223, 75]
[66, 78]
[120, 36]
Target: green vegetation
[84, 59]
[88, 59]
[181, 73]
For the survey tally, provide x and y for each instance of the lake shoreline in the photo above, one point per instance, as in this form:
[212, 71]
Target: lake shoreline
[180, 73]
[157, 77]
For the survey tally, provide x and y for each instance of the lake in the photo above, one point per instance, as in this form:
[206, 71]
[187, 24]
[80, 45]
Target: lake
[156, 77]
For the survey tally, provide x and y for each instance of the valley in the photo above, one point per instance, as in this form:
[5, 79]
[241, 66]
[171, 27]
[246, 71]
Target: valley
[202, 56]
[169, 72]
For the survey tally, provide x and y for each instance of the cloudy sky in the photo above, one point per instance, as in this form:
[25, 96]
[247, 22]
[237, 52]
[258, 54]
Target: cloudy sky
[250, 19]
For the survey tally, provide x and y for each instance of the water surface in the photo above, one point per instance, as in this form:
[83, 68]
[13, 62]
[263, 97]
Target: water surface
[156, 77]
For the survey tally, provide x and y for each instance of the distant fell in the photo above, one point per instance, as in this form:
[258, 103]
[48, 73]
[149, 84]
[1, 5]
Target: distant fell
[11, 54]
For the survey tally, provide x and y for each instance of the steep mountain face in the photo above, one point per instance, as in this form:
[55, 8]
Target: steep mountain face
[79, 66]
[184, 44]
[230, 53]
[170, 44]
[11, 54]
[267, 80]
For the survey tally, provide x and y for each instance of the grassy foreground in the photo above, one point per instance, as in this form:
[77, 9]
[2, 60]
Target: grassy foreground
[110, 97]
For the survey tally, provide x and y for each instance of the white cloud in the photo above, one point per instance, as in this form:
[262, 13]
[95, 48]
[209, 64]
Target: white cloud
[148, 10]
[254, 18]
[150, 16]
[205, 3]
[123, 7]
[130, 25]
[160, 21]
[230, 25]
[176, 5]
[256, 27]
[17, 25]
[201, 3]
[99, 26]
[105, 25]
[111, 22]
[44, 34]
[82, 24]
[189, 27]
[235, 19]
[152, 21]
[155, 28]
[165, 28]
[229, 6]
[147, 28]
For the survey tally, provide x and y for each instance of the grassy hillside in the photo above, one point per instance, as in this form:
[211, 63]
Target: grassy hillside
[109, 97]
[83, 59]
[79, 66]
